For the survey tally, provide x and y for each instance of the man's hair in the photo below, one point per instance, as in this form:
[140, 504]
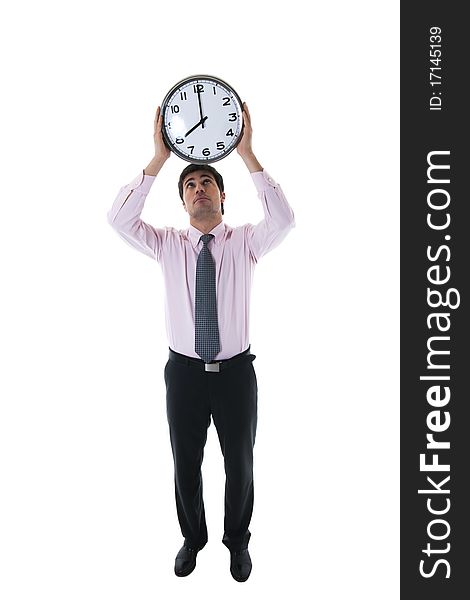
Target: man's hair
[191, 168]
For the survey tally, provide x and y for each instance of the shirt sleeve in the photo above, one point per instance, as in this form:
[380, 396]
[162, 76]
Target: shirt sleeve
[278, 216]
[124, 217]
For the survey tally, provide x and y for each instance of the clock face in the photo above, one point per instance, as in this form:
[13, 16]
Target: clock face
[202, 119]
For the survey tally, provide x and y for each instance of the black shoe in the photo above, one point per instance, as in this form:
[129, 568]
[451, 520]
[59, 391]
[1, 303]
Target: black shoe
[240, 564]
[185, 561]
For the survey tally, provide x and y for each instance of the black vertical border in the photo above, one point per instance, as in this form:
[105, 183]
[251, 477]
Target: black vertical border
[423, 131]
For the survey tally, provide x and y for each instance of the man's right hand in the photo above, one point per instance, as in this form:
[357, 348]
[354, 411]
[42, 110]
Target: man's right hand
[162, 152]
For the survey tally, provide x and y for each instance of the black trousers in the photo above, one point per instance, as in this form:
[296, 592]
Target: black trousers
[229, 396]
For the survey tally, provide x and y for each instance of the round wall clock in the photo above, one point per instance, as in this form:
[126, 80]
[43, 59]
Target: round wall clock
[202, 119]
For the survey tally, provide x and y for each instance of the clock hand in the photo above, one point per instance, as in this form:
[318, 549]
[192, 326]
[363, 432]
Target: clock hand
[200, 106]
[201, 122]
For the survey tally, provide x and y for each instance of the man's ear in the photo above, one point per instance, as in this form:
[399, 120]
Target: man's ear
[184, 206]
[222, 200]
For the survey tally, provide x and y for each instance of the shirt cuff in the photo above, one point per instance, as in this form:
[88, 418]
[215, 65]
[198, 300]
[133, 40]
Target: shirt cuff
[263, 180]
[142, 183]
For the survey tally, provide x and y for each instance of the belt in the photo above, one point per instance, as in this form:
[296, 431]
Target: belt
[214, 366]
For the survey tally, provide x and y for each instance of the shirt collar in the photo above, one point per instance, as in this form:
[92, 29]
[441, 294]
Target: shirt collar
[195, 235]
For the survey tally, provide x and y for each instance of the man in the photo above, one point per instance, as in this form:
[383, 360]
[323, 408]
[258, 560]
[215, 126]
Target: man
[207, 271]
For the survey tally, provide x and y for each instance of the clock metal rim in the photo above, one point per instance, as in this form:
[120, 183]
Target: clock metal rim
[170, 145]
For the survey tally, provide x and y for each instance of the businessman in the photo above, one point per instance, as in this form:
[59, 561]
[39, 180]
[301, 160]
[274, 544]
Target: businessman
[207, 270]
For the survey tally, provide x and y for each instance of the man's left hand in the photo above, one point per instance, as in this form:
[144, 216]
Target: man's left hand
[244, 147]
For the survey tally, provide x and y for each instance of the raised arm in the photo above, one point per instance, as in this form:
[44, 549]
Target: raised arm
[124, 215]
[278, 215]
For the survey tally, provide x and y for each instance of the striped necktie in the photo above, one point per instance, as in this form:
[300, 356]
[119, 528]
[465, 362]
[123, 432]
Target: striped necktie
[207, 343]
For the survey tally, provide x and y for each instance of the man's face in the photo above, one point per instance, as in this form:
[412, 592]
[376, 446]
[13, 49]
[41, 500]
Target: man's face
[201, 194]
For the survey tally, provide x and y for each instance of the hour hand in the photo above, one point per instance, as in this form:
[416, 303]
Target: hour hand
[201, 122]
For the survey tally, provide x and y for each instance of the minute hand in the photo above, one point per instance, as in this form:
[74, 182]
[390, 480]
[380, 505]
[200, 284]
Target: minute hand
[200, 106]
[201, 122]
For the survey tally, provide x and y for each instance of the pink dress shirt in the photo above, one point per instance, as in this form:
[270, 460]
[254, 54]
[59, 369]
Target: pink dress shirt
[235, 250]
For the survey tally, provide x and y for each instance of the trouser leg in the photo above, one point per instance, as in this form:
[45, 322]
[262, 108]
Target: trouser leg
[234, 410]
[188, 415]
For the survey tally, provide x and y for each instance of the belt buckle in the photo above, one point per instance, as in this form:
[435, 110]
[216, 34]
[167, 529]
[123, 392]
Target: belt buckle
[212, 367]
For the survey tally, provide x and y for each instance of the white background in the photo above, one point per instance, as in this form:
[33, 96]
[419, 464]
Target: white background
[87, 501]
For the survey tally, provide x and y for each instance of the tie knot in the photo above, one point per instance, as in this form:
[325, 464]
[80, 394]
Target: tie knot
[206, 238]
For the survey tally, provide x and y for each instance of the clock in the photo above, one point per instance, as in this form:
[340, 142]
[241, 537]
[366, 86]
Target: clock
[202, 119]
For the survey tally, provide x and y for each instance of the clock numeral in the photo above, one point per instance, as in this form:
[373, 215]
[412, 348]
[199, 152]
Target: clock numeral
[191, 148]
[215, 90]
[179, 140]
[220, 145]
[234, 115]
[206, 152]
[175, 108]
[183, 96]
[227, 101]
[199, 87]
[230, 132]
